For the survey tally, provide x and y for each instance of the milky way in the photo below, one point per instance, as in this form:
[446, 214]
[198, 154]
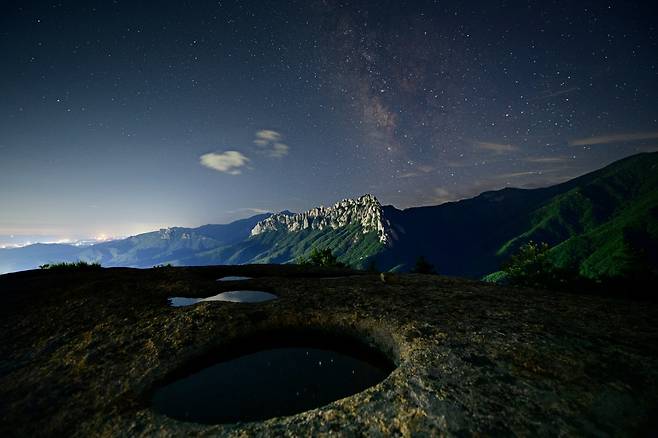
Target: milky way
[467, 97]
[119, 117]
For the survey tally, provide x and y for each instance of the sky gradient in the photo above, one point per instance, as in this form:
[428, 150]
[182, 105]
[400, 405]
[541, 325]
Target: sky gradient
[119, 117]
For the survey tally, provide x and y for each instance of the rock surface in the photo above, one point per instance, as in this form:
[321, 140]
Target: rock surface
[81, 351]
[364, 210]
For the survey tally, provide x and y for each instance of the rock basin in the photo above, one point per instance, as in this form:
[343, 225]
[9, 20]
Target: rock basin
[80, 354]
[269, 376]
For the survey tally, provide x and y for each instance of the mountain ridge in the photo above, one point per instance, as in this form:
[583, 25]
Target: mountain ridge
[365, 210]
[615, 208]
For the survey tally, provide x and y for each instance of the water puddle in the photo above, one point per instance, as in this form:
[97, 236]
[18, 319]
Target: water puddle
[279, 376]
[234, 296]
[234, 278]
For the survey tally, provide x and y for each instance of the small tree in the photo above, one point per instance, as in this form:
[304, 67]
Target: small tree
[423, 266]
[530, 266]
[321, 257]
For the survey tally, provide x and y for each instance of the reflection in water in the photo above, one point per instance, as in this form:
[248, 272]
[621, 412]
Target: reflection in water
[182, 301]
[270, 383]
[242, 296]
[234, 296]
[234, 278]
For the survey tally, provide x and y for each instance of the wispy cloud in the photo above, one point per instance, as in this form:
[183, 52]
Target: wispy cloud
[498, 148]
[547, 160]
[279, 150]
[458, 164]
[512, 175]
[420, 169]
[229, 162]
[615, 138]
[521, 179]
[269, 143]
[441, 195]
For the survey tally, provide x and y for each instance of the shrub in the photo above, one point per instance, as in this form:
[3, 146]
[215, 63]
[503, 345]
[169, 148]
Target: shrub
[530, 266]
[321, 257]
[72, 266]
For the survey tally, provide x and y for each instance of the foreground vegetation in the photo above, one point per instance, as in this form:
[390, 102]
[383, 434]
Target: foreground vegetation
[72, 266]
[322, 257]
[532, 266]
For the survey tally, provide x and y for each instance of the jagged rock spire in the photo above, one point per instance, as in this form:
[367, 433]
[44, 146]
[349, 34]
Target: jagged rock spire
[364, 210]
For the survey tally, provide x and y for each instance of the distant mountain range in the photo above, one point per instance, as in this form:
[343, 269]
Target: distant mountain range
[602, 223]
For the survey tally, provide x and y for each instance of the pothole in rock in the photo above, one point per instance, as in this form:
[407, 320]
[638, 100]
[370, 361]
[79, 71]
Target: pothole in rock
[234, 278]
[233, 296]
[278, 375]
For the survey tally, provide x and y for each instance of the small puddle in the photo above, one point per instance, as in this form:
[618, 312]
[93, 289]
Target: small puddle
[279, 376]
[182, 301]
[234, 296]
[234, 278]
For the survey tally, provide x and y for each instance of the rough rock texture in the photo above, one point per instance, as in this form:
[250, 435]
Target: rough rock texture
[365, 210]
[80, 351]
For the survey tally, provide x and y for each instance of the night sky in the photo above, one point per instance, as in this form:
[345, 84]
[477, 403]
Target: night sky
[119, 117]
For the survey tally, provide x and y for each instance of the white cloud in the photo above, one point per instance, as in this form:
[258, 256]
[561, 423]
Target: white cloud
[279, 150]
[269, 143]
[268, 135]
[228, 162]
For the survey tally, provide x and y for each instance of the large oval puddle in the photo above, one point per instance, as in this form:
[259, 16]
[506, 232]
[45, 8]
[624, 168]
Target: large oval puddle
[270, 377]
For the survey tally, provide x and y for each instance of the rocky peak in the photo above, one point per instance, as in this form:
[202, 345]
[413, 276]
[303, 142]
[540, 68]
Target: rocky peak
[172, 233]
[166, 233]
[364, 210]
